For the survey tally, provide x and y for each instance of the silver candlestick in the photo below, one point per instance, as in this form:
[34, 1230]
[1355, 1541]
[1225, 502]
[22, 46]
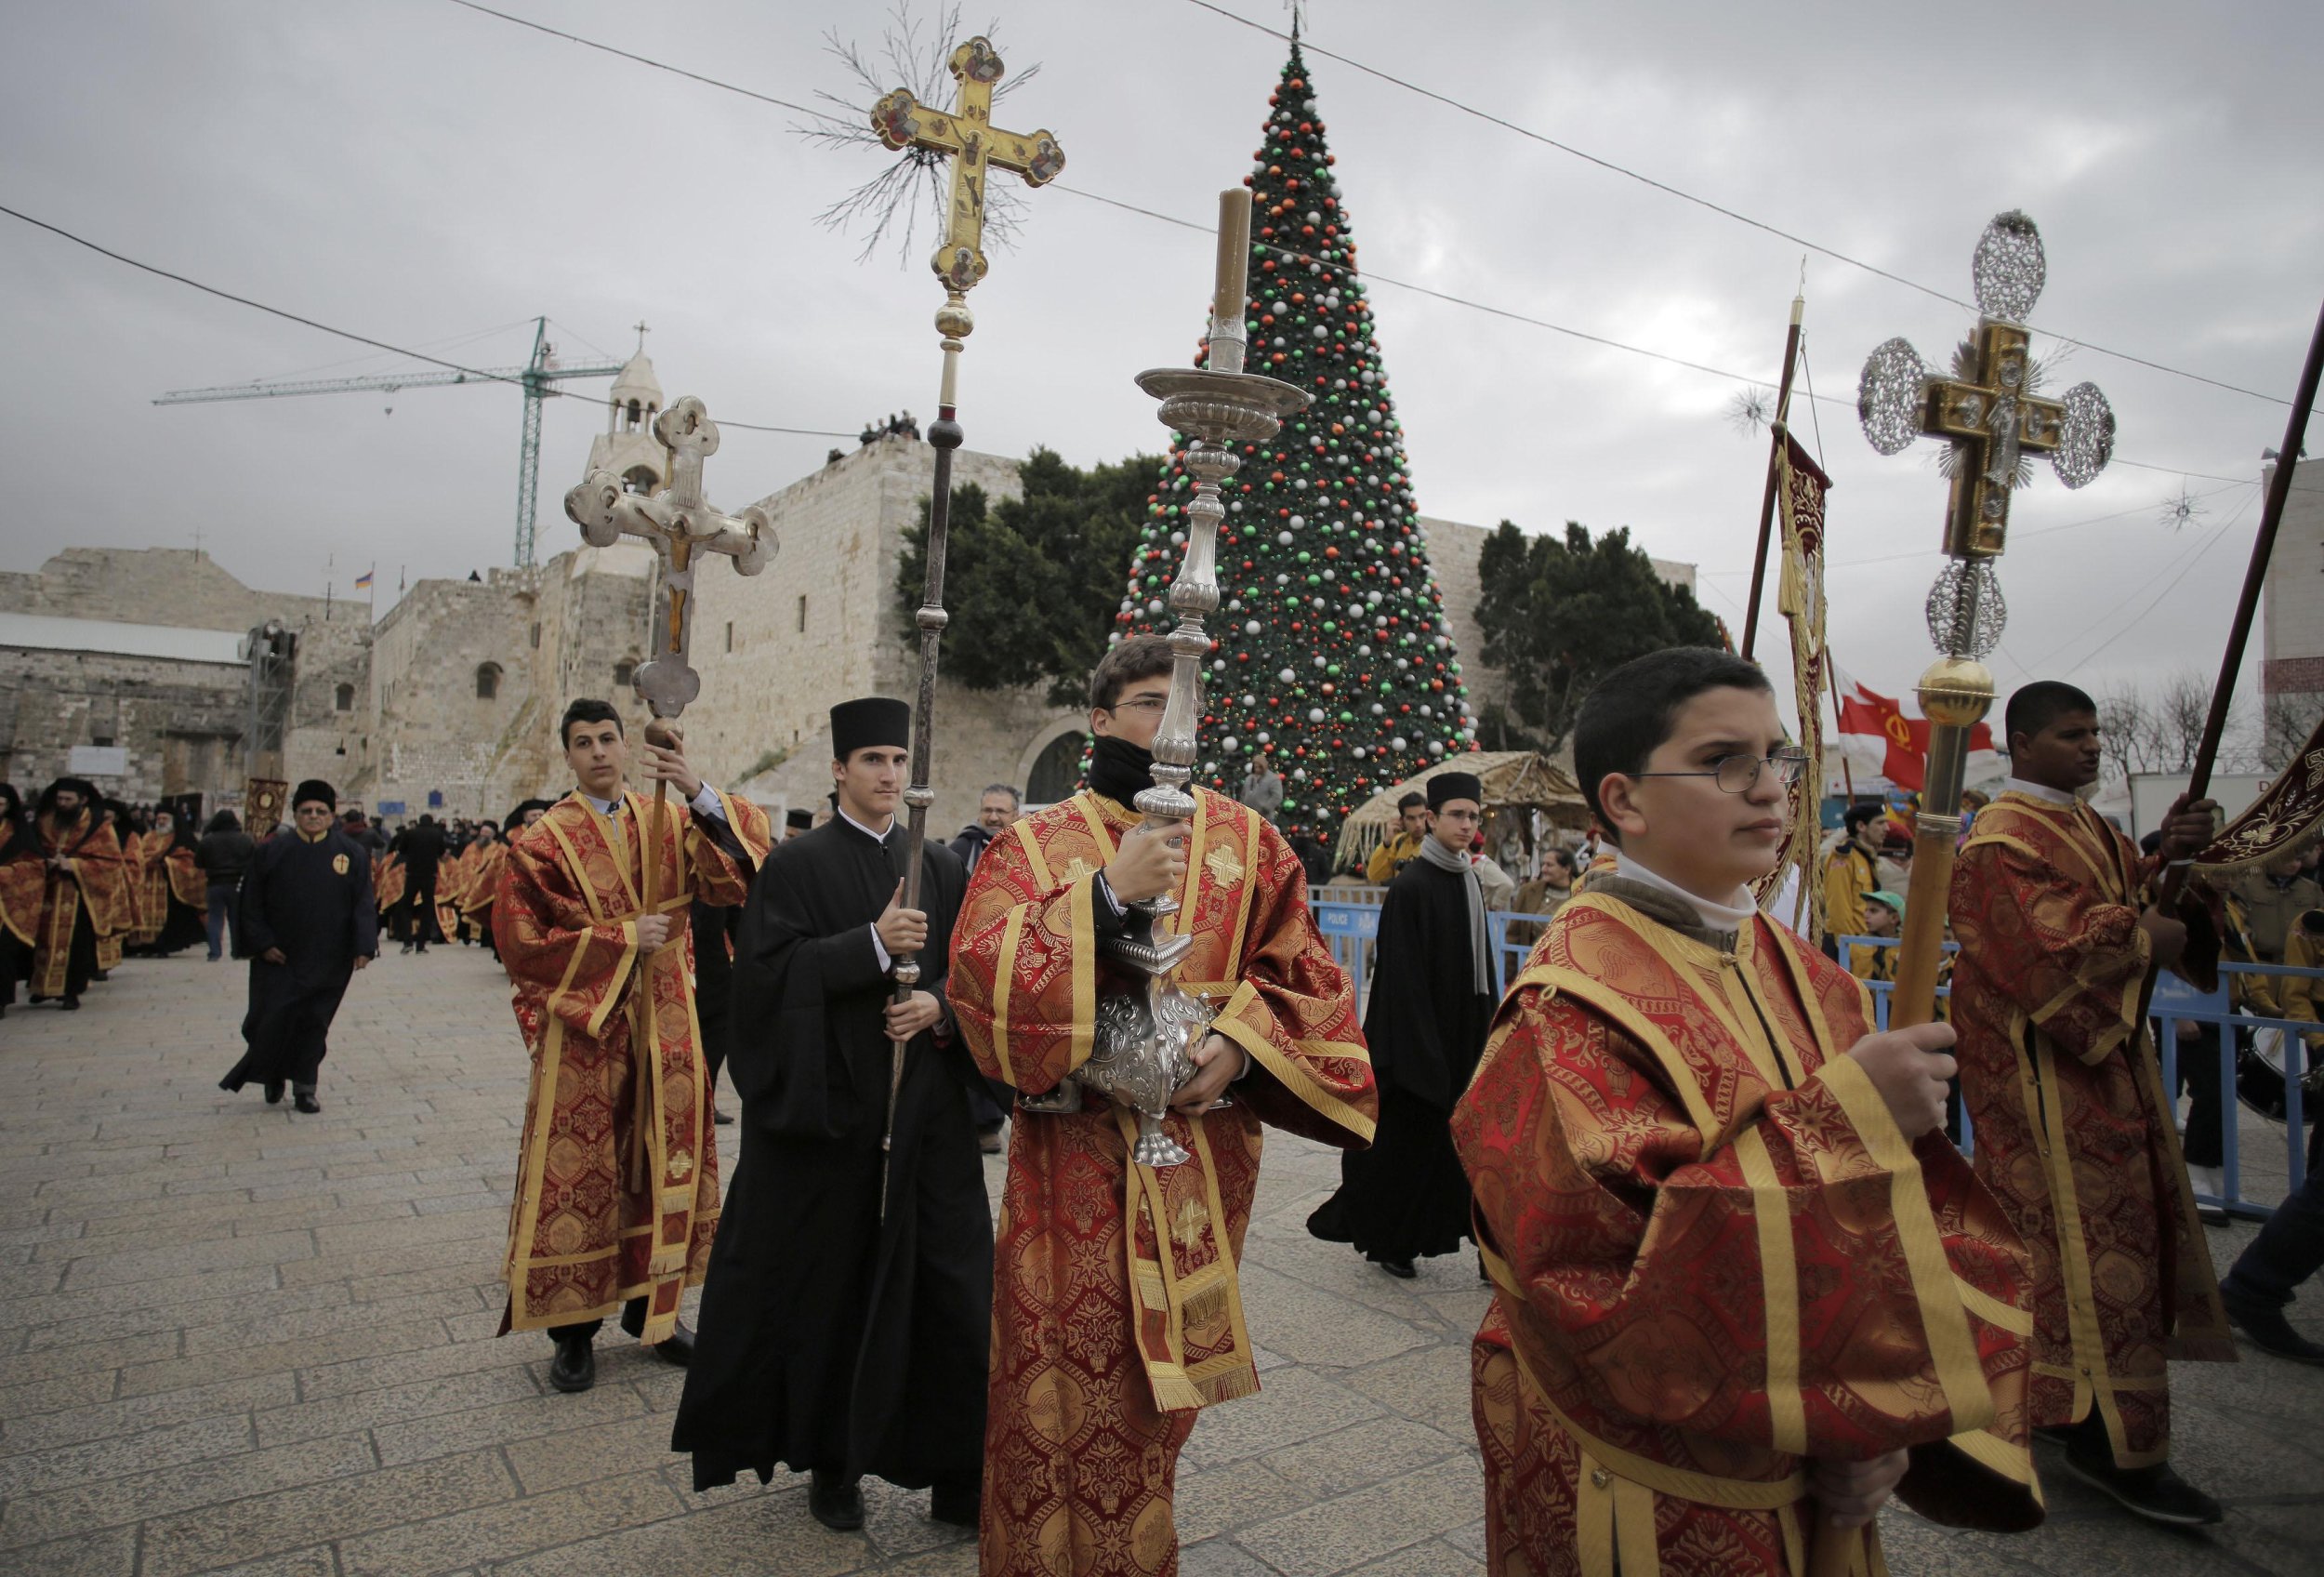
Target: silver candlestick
[1146, 1036]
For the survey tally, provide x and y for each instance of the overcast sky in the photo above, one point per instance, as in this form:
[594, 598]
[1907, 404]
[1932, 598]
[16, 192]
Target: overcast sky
[420, 173]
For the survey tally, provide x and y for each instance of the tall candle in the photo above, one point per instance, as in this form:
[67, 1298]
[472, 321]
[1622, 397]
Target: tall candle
[1233, 272]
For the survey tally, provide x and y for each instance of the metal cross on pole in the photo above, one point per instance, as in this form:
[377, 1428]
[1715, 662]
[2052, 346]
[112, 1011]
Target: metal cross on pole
[678, 523]
[967, 135]
[1988, 410]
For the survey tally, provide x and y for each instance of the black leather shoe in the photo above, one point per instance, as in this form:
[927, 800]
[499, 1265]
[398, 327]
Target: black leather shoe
[275, 1091]
[575, 1367]
[677, 1348]
[835, 1501]
[2154, 1491]
[306, 1102]
[953, 1503]
[72, 1004]
[722, 1117]
[1399, 1268]
[2265, 1324]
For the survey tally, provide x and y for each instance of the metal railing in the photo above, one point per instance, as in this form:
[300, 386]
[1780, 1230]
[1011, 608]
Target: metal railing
[2176, 1001]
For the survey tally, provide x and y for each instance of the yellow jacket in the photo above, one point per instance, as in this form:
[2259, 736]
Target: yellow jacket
[1390, 857]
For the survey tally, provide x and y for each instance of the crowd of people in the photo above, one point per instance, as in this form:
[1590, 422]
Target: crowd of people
[1745, 1289]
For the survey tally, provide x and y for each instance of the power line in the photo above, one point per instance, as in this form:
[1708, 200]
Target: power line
[1289, 254]
[1686, 196]
[478, 373]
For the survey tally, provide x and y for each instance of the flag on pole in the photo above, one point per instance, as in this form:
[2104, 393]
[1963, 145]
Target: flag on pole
[363, 582]
[1875, 735]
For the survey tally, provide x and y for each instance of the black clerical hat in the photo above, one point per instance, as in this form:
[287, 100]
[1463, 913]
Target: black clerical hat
[315, 789]
[801, 818]
[875, 720]
[1454, 786]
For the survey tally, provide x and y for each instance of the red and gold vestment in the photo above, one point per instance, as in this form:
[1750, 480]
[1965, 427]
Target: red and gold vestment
[99, 883]
[617, 1180]
[1715, 1258]
[1116, 1314]
[2073, 1131]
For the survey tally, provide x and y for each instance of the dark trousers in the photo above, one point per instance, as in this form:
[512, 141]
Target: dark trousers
[2289, 1248]
[16, 963]
[632, 1310]
[2205, 1139]
[417, 913]
[220, 916]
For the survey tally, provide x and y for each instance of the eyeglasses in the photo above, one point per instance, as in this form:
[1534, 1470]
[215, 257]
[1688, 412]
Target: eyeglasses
[1739, 774]
[1143, 704]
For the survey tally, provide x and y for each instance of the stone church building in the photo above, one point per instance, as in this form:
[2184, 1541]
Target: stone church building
[142, 661]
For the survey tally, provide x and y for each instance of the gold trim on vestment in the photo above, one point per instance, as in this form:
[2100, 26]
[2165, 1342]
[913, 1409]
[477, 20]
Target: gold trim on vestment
[1779, 1283]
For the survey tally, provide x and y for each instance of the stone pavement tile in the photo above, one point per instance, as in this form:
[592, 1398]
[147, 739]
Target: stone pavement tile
[1213, 1503]
[1469, 1536]
[103, 1269]
[508, 1528]
[440, 1434]
[404, 1283]
[242, 1310]
[336, 1318]
[480, 1256]
[956, 1559]
[51, 1307]
[394, 1368]
[317, 1560]
[896, 1522]
[1365, 1453]
[355, 1411]
[53, 1363]
[49, 1396]
[1218, 1557]
[268, 1524]
[553, 1462]
[1307, 1325]
[1435, 1559]
[755, 1537]
[1430, 1384]
[1292, 1405]
[443, 1234]
[51, 1431]
[57, 1467]
[1334, 1535]
[109, 1552]
[31, 1518]
[43, 1232]
[174, 1234]
[304, 1352]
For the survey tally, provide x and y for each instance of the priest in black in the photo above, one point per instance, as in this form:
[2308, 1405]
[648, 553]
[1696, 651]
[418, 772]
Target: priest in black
[308, 920]
[846, 1313]
[1431, 1005]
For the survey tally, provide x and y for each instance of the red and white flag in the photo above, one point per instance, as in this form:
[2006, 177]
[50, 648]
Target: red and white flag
[1876, 736]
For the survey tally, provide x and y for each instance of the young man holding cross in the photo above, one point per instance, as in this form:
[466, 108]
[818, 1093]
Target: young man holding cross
[1116, 1315]
[1737, 1266]
[617, 1178]
[2074, 1131]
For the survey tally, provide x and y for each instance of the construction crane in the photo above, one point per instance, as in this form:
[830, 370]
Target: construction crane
[535, 377]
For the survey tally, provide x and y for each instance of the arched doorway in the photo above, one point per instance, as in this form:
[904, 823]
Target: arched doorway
[1057, 770]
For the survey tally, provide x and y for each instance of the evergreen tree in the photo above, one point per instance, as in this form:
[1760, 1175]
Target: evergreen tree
[1331, 647]
[1559, 611]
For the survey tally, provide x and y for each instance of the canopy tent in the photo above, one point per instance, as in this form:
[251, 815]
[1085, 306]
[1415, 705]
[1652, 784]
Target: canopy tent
[1511, 780]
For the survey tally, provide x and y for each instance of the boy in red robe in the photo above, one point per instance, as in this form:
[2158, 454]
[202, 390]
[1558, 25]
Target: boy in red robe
[617, 1180]
[2074, 1130]
[1116, 1315]
[1736, 1265]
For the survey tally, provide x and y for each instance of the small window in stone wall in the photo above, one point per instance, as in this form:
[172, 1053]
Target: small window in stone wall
[343, 698]
[536, 637]
[621, 674]
[730, 635]
[802, 615]
[488, 682]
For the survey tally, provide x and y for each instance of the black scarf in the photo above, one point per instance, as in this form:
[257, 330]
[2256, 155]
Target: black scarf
[1120, 770]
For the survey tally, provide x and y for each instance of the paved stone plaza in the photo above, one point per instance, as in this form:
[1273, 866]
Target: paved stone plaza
[236, 1339]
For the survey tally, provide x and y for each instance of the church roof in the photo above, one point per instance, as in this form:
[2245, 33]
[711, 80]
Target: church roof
[637, 382]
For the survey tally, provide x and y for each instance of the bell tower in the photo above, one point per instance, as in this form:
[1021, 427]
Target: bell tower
[627, 446]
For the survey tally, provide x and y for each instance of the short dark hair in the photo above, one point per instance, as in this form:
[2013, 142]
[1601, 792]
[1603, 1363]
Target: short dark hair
[588, 710]
[1856, 815]
[1140, 656]
[1628, 713]
[1008, 788]
[1410, 798]
[2037, 706]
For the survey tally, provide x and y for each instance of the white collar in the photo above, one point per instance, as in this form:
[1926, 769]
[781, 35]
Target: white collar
[875, 837]
[2040, 791]
[604, 807]
[1716, 917]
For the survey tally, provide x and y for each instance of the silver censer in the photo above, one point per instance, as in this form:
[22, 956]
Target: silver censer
[1146, 1035]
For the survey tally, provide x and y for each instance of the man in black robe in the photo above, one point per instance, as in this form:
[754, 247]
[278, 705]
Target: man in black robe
[310, 920]
[423, 850]
[847, 1313]
[1431, 1005]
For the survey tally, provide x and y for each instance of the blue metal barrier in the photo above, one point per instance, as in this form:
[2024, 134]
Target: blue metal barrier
[2176, 1002]
[1351, 928]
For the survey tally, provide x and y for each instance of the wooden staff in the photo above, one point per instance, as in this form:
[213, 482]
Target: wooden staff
[1777, 432]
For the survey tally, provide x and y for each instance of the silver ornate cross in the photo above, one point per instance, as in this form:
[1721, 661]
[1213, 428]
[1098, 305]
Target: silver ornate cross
[678, 522]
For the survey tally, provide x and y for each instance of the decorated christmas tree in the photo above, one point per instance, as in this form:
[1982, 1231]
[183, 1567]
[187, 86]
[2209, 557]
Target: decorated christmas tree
[1332, 653]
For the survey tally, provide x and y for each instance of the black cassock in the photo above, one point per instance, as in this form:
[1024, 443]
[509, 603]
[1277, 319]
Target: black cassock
[314, 902]
[1426, 1024]
[826, 1337]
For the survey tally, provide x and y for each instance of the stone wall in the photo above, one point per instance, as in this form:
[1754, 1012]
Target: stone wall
[180, 723]
[2292, 621]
